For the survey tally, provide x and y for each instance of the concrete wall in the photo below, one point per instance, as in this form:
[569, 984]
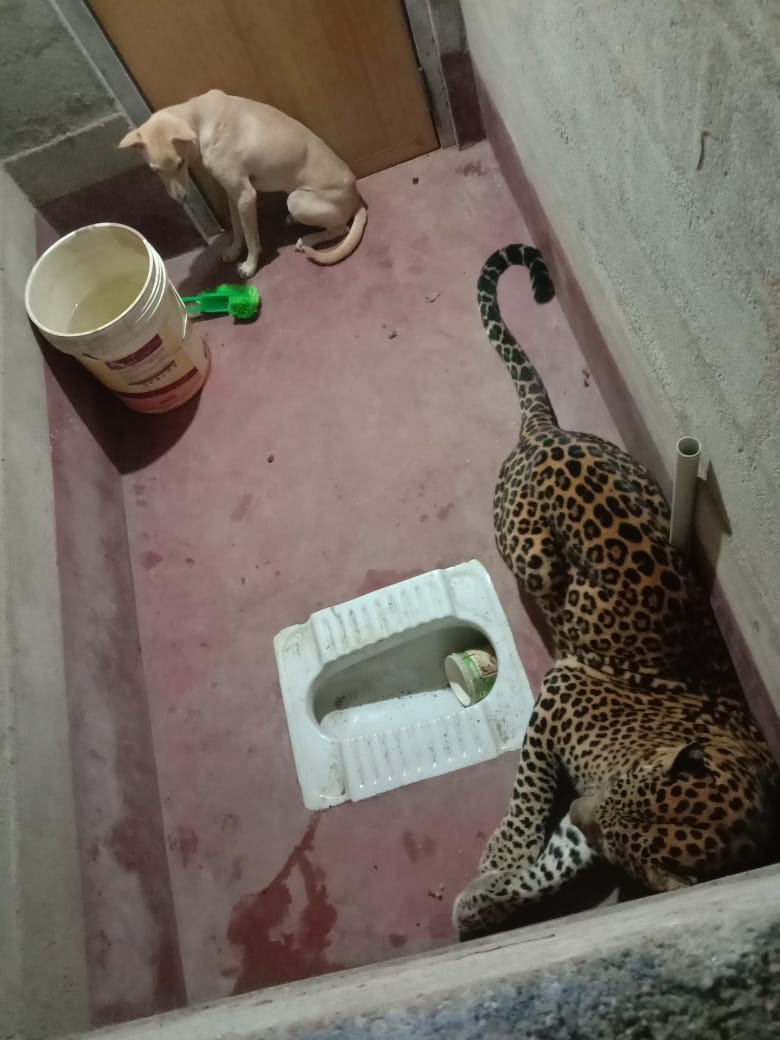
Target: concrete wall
[43, 984]
[650, 132]
[61, 121]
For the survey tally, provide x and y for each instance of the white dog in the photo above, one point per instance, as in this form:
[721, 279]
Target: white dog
[249, 147]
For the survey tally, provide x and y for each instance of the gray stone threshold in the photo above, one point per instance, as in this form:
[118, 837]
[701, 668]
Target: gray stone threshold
[691, 964]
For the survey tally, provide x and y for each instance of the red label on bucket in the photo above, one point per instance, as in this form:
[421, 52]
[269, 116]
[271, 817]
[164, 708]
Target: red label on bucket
[162, 398]
[139, 355]
[163, 389]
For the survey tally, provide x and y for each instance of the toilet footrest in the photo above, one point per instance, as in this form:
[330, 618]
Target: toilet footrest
[378, 762]
[359, 624]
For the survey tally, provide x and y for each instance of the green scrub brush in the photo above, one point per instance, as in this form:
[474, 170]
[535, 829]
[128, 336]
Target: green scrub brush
[239, 301]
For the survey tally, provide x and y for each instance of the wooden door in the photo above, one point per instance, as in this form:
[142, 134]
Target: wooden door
[345, 68]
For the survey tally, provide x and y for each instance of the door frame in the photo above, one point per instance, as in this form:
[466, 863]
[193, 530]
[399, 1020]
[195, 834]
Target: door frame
[420, 22]
[439, 34]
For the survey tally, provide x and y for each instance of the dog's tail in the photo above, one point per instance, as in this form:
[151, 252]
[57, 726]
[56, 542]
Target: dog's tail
[347, 245]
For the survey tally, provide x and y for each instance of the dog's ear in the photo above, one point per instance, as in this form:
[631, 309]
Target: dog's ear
[184, 136]
[133, 139]
[185, 141]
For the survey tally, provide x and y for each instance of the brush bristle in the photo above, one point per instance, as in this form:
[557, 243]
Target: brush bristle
[243, 309]
[243, 300]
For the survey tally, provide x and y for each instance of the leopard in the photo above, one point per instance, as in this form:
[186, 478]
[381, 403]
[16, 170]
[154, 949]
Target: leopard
[641, 716]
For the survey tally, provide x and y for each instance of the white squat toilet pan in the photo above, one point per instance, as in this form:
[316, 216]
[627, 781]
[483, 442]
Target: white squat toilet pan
[367, 701]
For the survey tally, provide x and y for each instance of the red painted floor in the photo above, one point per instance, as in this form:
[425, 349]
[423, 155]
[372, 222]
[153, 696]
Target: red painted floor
[348, 438]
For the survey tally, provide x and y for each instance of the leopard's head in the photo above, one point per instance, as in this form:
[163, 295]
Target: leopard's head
[653, 819]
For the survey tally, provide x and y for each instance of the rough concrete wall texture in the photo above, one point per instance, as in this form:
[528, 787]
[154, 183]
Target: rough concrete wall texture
[726, 990]
[47, 86]
[650, 132]
[43, 979]
[57, 114]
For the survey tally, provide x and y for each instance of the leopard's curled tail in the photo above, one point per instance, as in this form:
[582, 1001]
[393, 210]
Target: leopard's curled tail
[529, 386]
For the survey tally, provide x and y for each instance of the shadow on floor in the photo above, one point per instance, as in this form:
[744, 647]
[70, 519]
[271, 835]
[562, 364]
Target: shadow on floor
[129, 439]
[596, 888]
[208, 270]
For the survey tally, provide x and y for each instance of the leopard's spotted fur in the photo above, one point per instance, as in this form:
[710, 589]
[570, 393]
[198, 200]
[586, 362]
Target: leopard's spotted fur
[641, 708]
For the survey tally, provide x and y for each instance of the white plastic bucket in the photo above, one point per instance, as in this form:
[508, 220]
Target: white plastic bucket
[102, 295]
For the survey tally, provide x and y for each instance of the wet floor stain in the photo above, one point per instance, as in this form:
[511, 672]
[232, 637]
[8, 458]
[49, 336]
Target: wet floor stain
[273, 946]
[380, 579]
[150, 560]
[417, 848]
[185, 842]
[242, 507]
[472, 169]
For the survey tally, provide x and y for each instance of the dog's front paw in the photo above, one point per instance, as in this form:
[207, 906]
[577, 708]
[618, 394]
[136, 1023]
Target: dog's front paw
[300, 245]
[248, 267]
[231, 253]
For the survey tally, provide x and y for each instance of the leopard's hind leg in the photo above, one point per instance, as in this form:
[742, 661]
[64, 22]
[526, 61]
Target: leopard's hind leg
[528, 543]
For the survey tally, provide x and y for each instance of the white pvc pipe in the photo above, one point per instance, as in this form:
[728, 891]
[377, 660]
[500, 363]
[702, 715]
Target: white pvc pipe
[684, 495]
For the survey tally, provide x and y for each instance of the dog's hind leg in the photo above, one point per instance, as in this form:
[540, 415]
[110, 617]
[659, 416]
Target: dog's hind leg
[316, 238]
[329, 212]
[323, 209]
[330, 209]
